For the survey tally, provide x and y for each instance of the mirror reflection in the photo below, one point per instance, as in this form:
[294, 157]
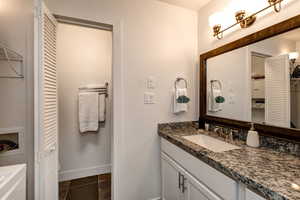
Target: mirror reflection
[257, 83]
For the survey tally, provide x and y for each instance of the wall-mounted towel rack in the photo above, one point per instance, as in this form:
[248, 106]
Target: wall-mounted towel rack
[178, 80]
[96, 88]
[101, 90]
[215, 96]
[10, 56]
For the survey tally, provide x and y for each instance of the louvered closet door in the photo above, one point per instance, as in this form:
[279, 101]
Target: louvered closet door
[48, 103]
[277, 91]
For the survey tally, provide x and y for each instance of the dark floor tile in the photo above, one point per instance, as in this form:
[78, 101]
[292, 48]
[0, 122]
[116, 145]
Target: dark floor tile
[87, 188]
[85, 192]
[84, 181]
[104, 186]
[64, 189]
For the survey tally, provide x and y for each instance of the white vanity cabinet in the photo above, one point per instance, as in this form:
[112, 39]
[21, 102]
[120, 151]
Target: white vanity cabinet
[178, 184]
[185, 177]
[170, 181]
[252, 196]
[198, 180]
[196, 190]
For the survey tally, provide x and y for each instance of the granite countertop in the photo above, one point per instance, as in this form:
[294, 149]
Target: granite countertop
[273, 175]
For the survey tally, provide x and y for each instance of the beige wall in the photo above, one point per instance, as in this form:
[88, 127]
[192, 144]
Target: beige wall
[84, 56]
[16, 99]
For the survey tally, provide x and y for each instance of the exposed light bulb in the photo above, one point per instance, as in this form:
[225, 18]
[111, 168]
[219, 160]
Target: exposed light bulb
[216, 19]
[293, 55]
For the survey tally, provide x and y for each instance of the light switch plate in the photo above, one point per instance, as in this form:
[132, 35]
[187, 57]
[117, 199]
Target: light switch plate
[149, 98]
[151, 82]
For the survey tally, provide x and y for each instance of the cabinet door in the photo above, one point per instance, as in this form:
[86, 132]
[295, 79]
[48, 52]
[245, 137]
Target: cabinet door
[170, 182]
[193, 193]
[195, 190]
[252, 196]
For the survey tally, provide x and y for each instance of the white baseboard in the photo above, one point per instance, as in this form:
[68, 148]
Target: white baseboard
[85, 172]
[157, 198]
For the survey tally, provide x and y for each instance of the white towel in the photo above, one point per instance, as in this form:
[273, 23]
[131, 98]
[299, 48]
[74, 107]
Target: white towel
[180, 107]
[88, 111]
[213, 105]
[102, 108]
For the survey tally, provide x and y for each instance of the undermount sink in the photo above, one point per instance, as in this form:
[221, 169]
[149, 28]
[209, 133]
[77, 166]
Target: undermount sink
[211, 143]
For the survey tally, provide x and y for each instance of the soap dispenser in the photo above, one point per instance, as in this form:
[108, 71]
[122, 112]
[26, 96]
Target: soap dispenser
[252, 137]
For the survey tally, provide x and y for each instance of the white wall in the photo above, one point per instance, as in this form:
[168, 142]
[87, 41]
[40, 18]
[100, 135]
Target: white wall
[84, 56]
[274, 46]
[16, 101]
[298, 48]
[159, 40]
[230, 69]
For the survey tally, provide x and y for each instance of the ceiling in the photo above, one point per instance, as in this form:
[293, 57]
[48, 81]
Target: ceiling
[190, 4]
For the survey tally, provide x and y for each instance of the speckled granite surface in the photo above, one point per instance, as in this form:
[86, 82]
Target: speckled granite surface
[277, 144]
[274, 175]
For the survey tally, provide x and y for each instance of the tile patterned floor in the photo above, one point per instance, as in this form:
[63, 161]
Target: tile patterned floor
[104, 187]
[64, 188]
[88, 188]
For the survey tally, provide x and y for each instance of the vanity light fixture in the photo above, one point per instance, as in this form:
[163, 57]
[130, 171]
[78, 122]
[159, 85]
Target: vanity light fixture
[245, 21]
[276, 4]
[217, 29]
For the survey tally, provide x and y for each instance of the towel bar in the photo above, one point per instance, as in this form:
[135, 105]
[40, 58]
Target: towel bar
[178, 80]
[100, 90]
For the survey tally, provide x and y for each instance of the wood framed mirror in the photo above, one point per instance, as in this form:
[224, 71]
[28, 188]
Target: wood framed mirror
[254, 80]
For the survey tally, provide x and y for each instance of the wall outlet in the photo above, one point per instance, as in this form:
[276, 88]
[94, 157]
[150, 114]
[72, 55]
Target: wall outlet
[149, 98]
[151, 82]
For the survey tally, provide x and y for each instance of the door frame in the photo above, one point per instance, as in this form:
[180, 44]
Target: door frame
[117, 102]
[252, 51]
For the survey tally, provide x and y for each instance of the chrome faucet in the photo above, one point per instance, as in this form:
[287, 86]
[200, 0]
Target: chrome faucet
[230, 135]
[218, 129]
[227, 133]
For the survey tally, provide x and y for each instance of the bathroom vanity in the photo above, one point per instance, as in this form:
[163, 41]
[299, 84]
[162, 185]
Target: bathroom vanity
[193, 172]
[252, 80]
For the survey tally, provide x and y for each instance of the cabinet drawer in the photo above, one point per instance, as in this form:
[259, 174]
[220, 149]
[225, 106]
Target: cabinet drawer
[252, 196]
[222, 185]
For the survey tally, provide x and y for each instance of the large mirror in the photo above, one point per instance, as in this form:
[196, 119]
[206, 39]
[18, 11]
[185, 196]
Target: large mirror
[257, 83]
